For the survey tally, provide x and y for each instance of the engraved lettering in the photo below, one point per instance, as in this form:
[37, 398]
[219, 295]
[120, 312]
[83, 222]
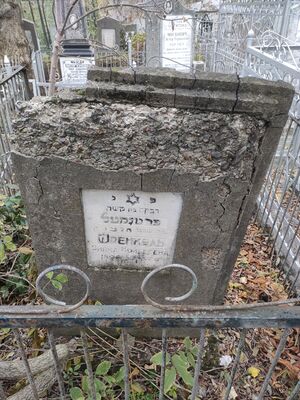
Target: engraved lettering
[122, 229]
[103, 238]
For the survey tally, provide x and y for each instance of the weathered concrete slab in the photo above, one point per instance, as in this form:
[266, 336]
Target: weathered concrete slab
[125, 134]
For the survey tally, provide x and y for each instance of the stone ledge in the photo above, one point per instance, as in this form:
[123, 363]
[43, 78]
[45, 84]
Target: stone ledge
[202, 91]
[171, 79]
[260, 105]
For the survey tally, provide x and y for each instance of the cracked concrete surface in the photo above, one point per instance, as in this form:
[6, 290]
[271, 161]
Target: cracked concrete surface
[119, 137]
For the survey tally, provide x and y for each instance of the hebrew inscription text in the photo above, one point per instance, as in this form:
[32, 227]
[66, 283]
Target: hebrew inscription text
[130, 229]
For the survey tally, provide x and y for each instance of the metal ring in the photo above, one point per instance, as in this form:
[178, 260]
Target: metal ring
[50, 299]
[173, 299]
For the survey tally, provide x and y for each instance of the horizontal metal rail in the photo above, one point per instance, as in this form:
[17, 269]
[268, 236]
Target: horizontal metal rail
[142, 316]
[283, 65]
[89, 320]
[10, 76]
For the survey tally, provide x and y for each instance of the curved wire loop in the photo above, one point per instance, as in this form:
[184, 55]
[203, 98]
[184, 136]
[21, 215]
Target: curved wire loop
[52, 300]
[202, 308]
[172, 299]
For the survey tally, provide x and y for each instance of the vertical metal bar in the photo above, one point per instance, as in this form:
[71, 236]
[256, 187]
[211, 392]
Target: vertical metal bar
[277, 355]
[236, 363]
[293, 148]
[88, 365]
[276, 180]
[126, 364]
[294, 283]
[263, 189]
[129, 44]
[28, 94]
[286, 129]
[289, 247]
[26, 364]
[292, 263]
[289, 223]
[198, 364]
[285, 18]
[295, 392]
[164, 344]
[57, 366]
[291, 198]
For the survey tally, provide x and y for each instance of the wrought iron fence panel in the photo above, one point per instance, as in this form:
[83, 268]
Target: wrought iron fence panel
[279, 203]
[91, 324]
[237, 18]
[13, 89]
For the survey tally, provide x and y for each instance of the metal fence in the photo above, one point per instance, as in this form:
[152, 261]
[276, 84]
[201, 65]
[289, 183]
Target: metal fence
[92, 322]
[13, 89]
[274, 57]
[279, 201]
[108, 59]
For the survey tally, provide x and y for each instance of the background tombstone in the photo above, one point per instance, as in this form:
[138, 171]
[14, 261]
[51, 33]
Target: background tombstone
[78, 33]
[170, 42]
[109, 33]
[31, 35]
[160, 167]
[77, 56]
[130, 29]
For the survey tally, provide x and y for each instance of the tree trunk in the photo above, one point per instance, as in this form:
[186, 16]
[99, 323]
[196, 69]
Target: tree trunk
[15, 370]
[13, 41]
[43, 383]
[54, 61]
[43, 24]
[46, 22]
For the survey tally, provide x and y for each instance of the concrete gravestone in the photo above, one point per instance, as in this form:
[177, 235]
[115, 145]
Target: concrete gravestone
[31, 35]
[109, 33]
[141, 169]
[170, 41]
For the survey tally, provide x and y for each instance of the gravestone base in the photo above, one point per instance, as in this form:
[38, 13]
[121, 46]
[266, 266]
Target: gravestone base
[139, 170]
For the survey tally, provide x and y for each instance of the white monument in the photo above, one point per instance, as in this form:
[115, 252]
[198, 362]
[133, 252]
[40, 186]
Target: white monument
[177, 42]
[170, 40]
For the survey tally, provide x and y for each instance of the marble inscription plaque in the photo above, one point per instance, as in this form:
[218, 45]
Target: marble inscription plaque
[130, 229]
[74, 69]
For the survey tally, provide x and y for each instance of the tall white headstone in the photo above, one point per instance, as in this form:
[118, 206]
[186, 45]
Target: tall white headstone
[170, 40]
[177, 42]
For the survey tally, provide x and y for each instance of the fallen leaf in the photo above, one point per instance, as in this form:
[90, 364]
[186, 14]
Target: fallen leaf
[25, 250]
[253, 371]
[225, 361]
[293, 369]
[233, 394]
[134, 372]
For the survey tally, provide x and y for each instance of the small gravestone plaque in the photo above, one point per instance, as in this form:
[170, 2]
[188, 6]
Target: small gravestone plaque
[130, 229]
[74, 69]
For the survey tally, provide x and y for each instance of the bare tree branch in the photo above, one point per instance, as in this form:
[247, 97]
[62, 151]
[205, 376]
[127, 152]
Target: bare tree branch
[68, 15]
[107, 7]
[55, 52]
